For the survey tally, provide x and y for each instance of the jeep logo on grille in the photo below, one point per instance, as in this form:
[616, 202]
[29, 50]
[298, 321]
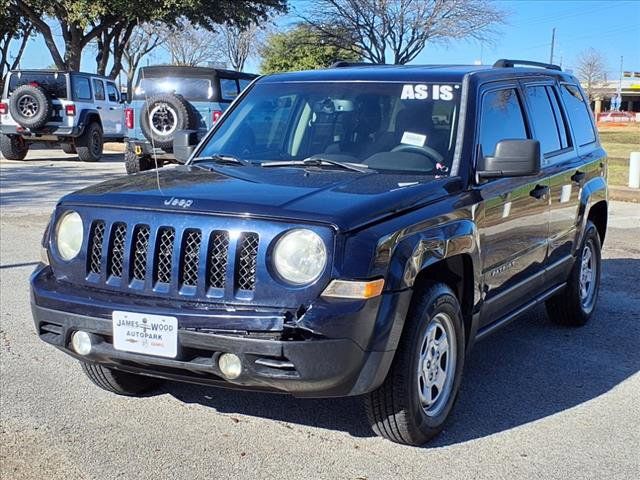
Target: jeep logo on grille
[178, 202]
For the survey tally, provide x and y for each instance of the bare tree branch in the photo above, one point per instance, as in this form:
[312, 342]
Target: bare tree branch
[591, 67]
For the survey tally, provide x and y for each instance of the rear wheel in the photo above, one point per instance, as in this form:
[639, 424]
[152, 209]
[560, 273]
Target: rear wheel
[134, 163]
[13, 147]
[414, 401]
[90, 144]
[121, 383]
[68, 148]
[576, 303]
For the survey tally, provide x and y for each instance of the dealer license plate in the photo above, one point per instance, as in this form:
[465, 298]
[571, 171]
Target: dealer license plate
[144, 333]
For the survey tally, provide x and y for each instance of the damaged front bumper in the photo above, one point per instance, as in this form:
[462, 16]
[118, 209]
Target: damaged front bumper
[336, 348]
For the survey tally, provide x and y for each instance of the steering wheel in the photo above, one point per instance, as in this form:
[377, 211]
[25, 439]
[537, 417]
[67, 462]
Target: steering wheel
[424, 150]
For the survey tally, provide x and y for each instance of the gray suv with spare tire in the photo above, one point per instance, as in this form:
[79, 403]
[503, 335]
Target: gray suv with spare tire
[78, 111]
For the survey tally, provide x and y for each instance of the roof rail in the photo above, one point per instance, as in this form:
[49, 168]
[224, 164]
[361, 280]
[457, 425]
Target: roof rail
[345, 64]
[505, 63]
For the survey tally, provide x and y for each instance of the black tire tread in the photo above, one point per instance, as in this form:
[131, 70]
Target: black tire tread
[83, 145]
[10, 148]
[385, 409]
[120, 383]
[45, 106]
[68, 148]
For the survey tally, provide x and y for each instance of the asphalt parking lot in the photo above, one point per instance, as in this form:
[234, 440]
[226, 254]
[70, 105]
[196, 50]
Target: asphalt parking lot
[537, 400]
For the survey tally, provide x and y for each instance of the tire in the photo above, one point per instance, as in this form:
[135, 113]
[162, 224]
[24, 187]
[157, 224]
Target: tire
[90, 144]
[30, 106]
[68, 148]
[134, 163]
[574, 306]
[13, 147]
[162, 116]
[118, 382]
[395, 410]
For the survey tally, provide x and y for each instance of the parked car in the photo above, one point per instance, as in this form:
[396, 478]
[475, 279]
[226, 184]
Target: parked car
[617, 117]
[170, 98]
[329, 238]
[76, 110]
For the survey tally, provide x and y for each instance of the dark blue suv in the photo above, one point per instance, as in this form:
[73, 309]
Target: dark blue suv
[169, 98]
[348, 231]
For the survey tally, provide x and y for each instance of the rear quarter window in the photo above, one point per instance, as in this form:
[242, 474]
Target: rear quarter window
[228, 89]
[578, 113]
[81, 88]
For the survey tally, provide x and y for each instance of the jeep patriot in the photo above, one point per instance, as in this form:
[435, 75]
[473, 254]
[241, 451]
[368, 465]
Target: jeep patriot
[347, 231]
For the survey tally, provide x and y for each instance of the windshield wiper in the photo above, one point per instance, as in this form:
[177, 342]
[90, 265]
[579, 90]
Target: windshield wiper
[222, 159]
[316, 161]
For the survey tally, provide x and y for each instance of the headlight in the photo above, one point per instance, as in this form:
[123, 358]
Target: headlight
[69, 235]
[300, 256]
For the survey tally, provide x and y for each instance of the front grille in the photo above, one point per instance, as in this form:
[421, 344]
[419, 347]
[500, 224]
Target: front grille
[164, 255]
[95, 253]
[140, 249]
[190, 257]
[247, 254]
[116, 257]
[172, 260]
[218, 255]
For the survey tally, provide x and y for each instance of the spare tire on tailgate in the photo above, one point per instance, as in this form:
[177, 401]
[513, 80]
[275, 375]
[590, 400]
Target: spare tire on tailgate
[30, 106]
[163, 115]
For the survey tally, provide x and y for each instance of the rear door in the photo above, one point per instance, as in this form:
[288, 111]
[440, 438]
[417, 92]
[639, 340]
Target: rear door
[561, 163]
[114, 111]
[100, 103]
[513, 223]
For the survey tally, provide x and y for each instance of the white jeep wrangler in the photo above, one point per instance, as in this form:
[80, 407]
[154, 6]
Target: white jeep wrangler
[79, 111]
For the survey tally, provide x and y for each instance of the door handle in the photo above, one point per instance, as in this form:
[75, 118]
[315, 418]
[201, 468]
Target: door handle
[539, 192]
[98, 107]
[578, 177]
[112, 108]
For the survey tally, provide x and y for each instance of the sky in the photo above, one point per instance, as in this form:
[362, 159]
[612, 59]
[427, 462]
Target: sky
[612, 27]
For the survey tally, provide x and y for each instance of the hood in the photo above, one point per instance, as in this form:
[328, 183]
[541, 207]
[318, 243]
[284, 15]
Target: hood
[344, 199]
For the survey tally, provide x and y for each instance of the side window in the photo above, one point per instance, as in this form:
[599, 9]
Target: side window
[542, 118]
[579, 114]
[228, 89]
[501, 119]
[98, 89]
[243, 83]
[81, 88]
[112, 92]
[561, 121]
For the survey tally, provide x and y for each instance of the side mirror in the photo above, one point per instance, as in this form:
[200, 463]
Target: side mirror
[513, 158]
[184, 143]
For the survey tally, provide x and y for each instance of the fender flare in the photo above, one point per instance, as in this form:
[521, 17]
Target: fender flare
[83, 119]
[593, 191]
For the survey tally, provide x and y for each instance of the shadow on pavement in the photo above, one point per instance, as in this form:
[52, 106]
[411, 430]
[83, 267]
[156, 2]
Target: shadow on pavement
[528, 371]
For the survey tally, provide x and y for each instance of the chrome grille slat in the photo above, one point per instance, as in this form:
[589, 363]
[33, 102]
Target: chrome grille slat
[140, 249]
[164, 254]
[95, 255]
[218, 258]
[190, 254]
[246, 263]
[116, 249]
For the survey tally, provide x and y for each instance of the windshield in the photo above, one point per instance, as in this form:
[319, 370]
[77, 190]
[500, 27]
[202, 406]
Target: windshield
[191, 88]
[401, 127]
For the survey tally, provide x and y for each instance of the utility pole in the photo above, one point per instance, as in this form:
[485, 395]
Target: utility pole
[553, 43]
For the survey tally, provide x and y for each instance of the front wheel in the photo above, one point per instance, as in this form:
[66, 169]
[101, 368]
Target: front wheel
[574, 306]
[119, 382]
[413, 403]
[13, 147]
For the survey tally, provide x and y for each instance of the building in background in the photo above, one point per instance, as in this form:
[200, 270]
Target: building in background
[628, 87]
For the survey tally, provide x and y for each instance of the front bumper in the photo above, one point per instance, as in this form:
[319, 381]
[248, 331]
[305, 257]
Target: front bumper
[277, 358]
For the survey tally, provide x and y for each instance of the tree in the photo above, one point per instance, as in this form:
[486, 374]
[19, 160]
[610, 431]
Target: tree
[144, 39]
[13, 26]
[591, 68]
[191, 45]
[240, 43]
[110, 23]
[402, 27]
[301, 48]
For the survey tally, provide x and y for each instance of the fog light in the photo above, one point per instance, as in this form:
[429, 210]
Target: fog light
[81, 343]
[230, 365]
